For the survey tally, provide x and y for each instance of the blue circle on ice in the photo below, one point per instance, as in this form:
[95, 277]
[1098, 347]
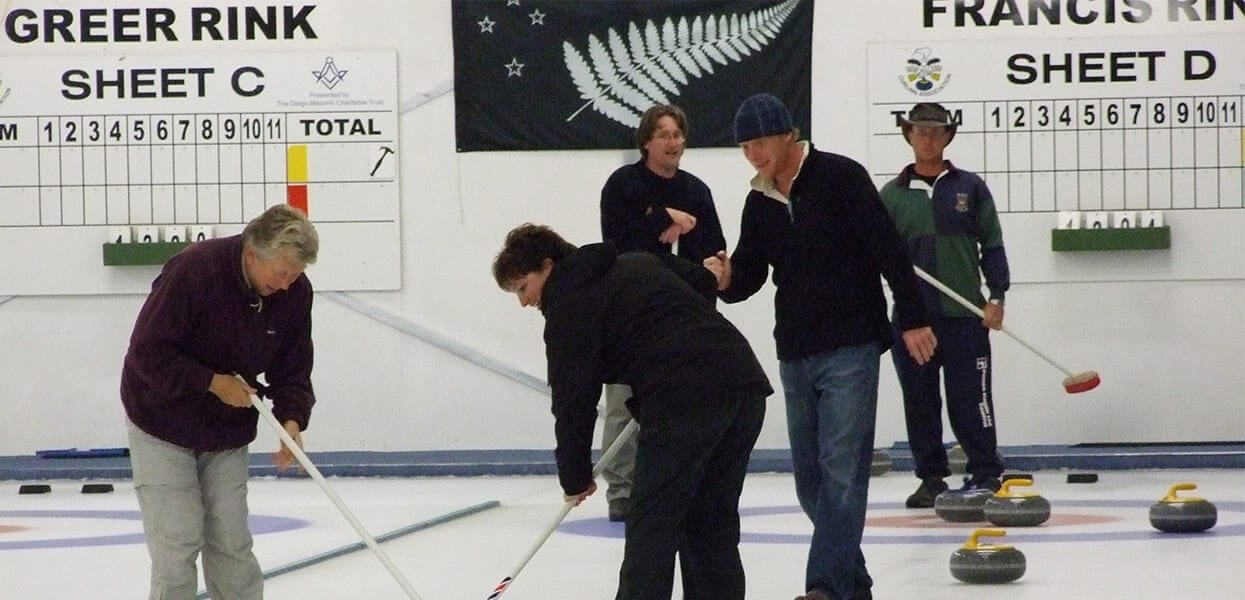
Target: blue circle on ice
[259, 524]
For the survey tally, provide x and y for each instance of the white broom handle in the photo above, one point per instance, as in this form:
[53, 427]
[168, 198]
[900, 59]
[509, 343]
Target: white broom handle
[977, 311]
[266, 414]
[606, 457]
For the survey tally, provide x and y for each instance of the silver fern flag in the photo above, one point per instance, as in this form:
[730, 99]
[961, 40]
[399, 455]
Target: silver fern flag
[557, 74]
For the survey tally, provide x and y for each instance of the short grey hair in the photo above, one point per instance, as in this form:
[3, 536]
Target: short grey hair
[283, 229]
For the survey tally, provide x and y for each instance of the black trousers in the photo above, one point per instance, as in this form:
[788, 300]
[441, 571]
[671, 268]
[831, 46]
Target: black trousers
[963, 356]
[689, 474]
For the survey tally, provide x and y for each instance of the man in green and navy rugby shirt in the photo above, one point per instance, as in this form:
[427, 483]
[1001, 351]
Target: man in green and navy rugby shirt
[948, 220]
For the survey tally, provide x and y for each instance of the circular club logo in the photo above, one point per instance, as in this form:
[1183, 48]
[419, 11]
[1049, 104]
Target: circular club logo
[924, 74]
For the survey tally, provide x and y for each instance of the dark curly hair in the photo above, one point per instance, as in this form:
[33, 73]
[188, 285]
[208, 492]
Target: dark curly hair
[525, 250]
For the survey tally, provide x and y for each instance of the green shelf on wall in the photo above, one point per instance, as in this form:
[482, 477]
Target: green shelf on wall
[1083, 240]
[151, 253]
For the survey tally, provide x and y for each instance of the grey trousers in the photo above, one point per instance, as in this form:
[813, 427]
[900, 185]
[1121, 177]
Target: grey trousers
[192, 503]
[620, 473]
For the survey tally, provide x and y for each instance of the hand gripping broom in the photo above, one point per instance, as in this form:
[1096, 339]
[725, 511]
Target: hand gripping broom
[266, 415]
[627, 432]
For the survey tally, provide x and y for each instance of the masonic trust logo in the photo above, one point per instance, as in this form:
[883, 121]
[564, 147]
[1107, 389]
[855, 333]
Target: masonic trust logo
[923, 75]
[329, 75]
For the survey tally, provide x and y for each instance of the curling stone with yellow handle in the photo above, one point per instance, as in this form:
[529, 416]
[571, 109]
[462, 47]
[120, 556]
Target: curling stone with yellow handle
[985, 563]
[1187, 514]
[1012, 509]
[962, 505]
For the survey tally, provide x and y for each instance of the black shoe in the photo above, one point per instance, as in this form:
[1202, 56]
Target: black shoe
[619, 509]
[924, 496]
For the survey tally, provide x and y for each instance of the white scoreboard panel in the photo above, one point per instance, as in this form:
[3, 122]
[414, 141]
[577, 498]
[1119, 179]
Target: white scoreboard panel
[1075, 124]
[102, 146]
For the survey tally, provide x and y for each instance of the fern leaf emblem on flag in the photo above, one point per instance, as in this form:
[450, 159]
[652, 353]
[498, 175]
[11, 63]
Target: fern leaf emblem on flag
[620, 78]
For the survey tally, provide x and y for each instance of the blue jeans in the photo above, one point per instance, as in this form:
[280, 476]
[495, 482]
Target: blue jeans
[832, 403]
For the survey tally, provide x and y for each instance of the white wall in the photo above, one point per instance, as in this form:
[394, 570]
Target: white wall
[1168, 351]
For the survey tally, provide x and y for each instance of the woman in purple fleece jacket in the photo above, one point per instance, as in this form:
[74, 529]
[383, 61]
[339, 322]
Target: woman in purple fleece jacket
[222, 308]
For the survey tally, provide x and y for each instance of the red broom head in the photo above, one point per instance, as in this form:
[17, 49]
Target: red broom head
[1081, 382]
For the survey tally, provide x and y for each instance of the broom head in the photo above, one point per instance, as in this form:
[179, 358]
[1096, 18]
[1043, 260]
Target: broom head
[1081, 382]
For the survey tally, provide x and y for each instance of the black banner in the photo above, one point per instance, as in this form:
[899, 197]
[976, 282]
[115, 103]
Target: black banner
[558, 75]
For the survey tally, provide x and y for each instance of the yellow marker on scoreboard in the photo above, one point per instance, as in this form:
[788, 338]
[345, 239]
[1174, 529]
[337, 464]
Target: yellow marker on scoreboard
[296, 163]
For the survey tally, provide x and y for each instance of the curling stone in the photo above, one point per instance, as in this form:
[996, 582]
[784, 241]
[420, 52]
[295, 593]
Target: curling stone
[1183, 515]
[960, 506]
[986, 563]
[957, 460]
[1010, 509]
[881, 463]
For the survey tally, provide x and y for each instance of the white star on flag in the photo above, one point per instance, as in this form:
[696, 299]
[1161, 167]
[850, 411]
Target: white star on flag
[486, 24]
[512, 2]
[538, 18]
[514, 68]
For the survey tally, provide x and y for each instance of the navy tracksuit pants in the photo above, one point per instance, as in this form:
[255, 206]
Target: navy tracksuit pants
[963, 356]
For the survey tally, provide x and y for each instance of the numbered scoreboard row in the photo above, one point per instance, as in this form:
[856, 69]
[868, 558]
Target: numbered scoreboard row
[133, 205]
[1084, 114]
[1120, 219]
[326, 162]
[210, 128]
[151, 234]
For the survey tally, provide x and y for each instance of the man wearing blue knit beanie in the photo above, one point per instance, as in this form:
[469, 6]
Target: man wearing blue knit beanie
[817, 220]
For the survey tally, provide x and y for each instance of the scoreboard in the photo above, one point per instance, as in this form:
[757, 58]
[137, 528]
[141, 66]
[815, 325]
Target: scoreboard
[1057, 125]
[138, 149]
